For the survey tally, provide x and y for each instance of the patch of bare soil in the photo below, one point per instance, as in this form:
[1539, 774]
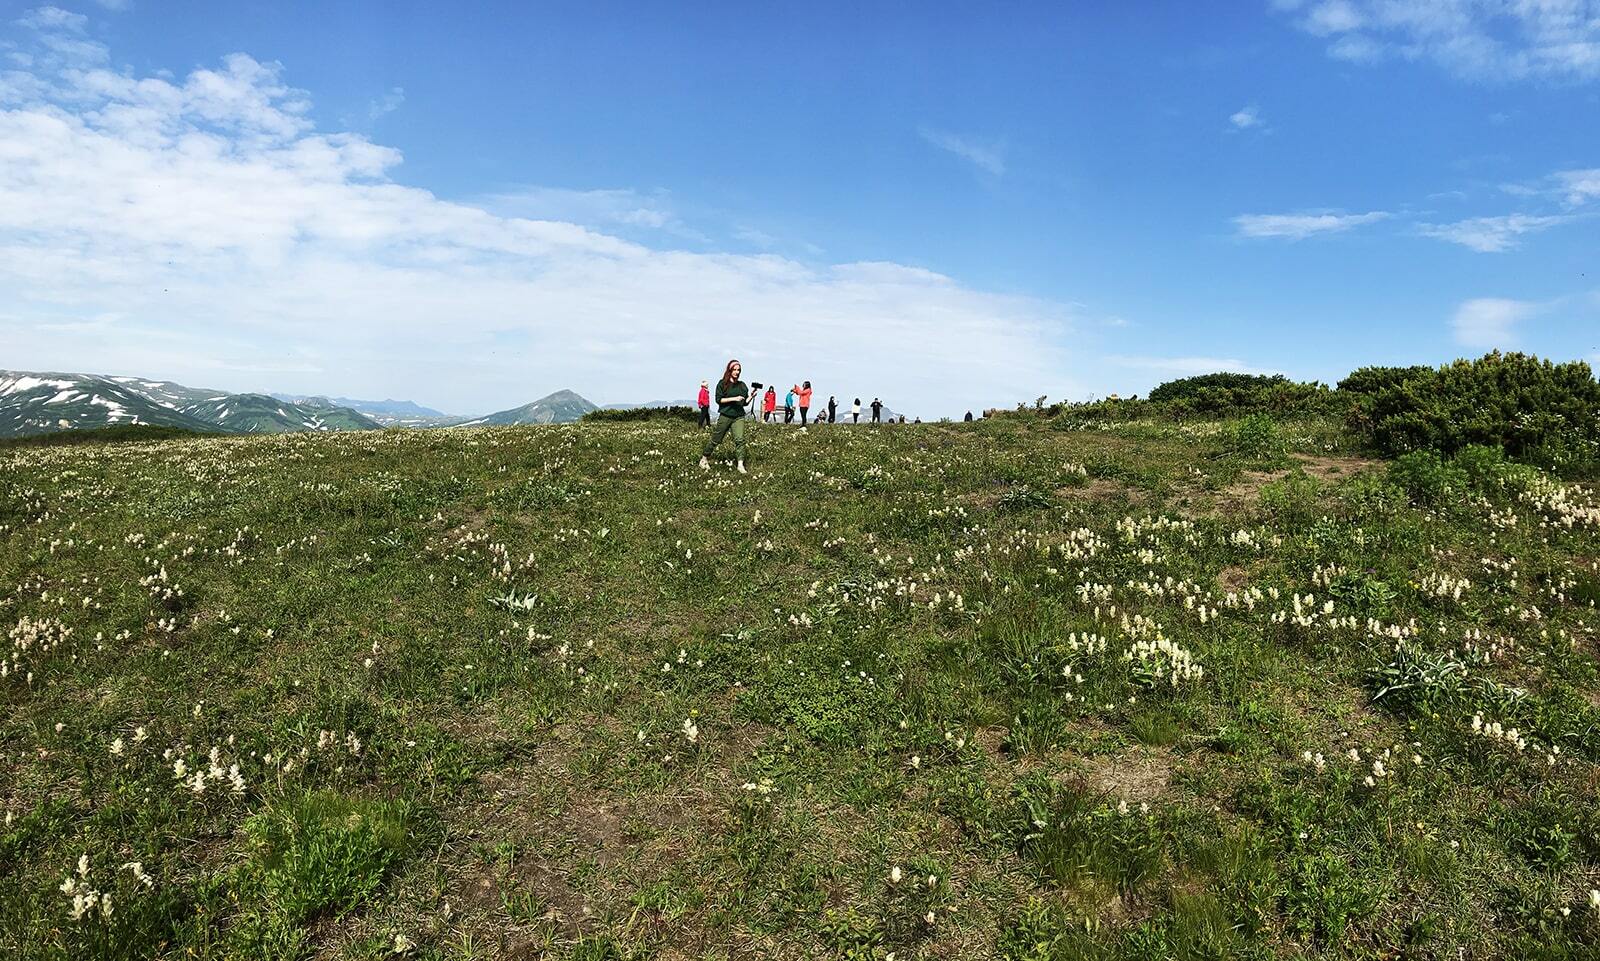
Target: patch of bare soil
[1138, 774]
[1100, 490]
[1328, 468]
[1247, 489]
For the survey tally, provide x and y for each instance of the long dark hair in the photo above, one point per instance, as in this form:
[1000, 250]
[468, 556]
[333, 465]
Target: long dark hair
[727, 372]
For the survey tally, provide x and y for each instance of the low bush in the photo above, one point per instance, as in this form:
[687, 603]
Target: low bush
[1532, 409]
[632, 415]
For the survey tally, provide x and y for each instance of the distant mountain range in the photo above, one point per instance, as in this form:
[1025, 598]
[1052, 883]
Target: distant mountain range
[372, 408]
[42, 403]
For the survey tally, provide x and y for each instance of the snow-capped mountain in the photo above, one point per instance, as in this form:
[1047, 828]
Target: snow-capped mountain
[43, 403]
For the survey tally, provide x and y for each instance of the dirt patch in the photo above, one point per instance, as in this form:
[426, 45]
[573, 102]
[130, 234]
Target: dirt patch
[1246, 490]
[1100, 490]
[1139, 774]
[1329, 468]
[1233, 578]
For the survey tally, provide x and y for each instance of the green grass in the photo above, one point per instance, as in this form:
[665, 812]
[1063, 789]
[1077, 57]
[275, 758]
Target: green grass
[554, 691]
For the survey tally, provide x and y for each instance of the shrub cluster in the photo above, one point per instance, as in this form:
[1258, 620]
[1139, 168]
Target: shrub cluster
[1225, 394]
[1532, 409]
[632, 415]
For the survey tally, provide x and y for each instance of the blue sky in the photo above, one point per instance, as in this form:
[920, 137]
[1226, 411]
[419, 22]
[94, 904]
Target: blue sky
[949, 205]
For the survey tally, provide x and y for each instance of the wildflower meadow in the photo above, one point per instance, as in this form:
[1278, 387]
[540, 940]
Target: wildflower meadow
[1033, 687]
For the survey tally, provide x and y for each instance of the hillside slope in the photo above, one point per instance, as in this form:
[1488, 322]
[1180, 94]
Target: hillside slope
[999, 690]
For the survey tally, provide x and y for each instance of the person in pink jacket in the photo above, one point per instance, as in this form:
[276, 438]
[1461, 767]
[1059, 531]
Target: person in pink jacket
[704, 400]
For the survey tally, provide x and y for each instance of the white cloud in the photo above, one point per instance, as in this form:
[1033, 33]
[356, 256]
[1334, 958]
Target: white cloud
[1492, 234]
[115, 5]
[1489, 40]
[989, 158]
[386, 104]
[595, 208]
[1302, 225]
[1333, 16]
[1579, 186]
[1490, 321]
[1246, 117]
[241, 248]
[54, 18]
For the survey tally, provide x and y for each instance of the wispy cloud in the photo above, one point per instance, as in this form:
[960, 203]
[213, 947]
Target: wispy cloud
[386, 104]
[989, 158]
[1246, 117]
[605, 208]
[1579, 186]
[1490, 321]
[297, 247]
[1485, 40]
[1299, 226]
[1489, 235]
[53, 18]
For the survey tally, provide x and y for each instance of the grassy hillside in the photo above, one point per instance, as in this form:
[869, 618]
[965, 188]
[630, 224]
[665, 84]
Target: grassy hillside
[1144, 691]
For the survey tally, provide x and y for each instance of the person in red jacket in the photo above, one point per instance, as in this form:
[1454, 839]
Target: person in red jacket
[704, 400]
[769, 404]
[804, 393]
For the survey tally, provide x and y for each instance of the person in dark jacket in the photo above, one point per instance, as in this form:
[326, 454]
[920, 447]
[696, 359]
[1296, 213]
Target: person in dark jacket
[877, 410]
[732, 395]
[833, 408]
[968, 418]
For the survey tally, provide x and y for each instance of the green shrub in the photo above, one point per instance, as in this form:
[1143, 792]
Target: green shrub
[1371, 380]
[1428, 478]
[1257, 438]
[1192, 388]
[1223, 394]
[1532, 409]
[633, 415]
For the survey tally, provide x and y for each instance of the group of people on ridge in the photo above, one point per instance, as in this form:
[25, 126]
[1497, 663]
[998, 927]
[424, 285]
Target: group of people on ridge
[734, 400]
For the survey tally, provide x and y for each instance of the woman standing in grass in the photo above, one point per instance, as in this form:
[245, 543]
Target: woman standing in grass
[732, 395]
